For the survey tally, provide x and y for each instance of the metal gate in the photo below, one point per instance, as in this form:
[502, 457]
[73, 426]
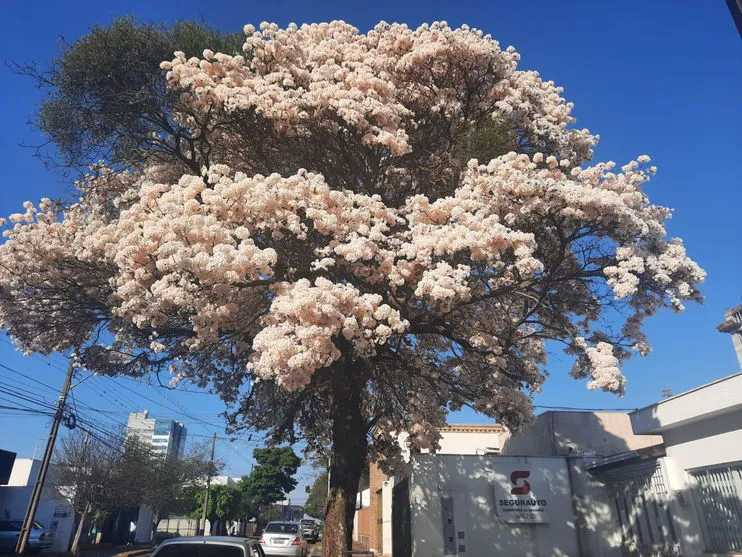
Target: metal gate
[718, 496]
[640, 499]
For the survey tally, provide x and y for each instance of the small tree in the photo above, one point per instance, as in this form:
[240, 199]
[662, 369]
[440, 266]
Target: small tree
[317, 500]
[86, 476]
[223, 505]
[271, 480]
[170, 483]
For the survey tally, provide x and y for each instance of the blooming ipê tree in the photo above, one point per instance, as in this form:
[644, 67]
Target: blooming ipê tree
[386, 227]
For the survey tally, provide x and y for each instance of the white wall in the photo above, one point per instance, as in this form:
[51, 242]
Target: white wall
[680, 502]
[471, 481]
[469, 443]
[24, 472]
[723, 396]
[710, 442]
[387, 492]
[14, 500]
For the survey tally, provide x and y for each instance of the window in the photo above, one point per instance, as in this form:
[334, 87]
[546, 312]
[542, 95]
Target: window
[282, 527]
[718, 495]
[163, 427]
[200, 550]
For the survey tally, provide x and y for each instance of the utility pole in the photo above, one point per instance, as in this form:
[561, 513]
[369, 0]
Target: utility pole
[33, 504]
[208, 484]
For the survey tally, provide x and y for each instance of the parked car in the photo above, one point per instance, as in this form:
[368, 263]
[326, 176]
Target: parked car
[10, 530]
[209, 546]
[310, 530]
[284, 539]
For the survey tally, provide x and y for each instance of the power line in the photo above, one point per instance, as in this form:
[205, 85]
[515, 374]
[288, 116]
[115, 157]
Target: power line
[10, 369]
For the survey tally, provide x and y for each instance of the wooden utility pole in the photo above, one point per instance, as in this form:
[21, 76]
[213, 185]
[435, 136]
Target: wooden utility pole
[208, 486]
[33, 504]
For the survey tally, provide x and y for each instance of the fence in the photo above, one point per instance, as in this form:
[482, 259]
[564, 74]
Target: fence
[718, 495]
[641, 500]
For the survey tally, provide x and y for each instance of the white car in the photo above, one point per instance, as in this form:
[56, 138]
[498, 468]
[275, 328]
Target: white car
[283, 539]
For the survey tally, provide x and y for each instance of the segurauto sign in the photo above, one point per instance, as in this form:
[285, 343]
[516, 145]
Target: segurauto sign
[522, 497]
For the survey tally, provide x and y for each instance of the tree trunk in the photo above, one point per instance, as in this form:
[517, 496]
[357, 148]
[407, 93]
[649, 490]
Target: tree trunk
[349, 448]
[75, 549]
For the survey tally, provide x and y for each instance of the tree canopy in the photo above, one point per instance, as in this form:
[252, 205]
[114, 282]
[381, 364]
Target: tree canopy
[107, 98]
[271, 480]
[317, 500]
[224, 504]
[331, 257]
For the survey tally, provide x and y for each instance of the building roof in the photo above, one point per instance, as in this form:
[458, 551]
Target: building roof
[473, 428]
[621, 459]
[714, 398]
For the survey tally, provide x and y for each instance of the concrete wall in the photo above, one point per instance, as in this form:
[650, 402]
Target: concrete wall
[596, 520]
[537, 439]
[719, 397]
[682, 507]
[578, 433]
[387, 492]
[469, 443]
[714, 441]
[472, 482]
[22, 472]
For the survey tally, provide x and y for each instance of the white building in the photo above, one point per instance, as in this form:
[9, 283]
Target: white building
[702, 434]
[53, 511]
[374, 520]
[166, 436]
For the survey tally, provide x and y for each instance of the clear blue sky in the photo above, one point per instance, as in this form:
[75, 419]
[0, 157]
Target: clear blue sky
[662, 78]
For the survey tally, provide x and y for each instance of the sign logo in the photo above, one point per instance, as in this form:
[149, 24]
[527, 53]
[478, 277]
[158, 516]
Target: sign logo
[524, 489]
[522, 494]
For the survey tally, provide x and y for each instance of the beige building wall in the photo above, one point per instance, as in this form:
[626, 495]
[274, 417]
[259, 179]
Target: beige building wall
[578, 433]
[472, 439]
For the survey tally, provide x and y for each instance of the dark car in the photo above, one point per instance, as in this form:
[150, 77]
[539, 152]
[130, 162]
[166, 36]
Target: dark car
[10, 530]
[209, 546]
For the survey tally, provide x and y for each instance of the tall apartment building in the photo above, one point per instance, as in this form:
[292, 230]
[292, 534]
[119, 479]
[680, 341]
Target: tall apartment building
[733, 326]
[166, 436]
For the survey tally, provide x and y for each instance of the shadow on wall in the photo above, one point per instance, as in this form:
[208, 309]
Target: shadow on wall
[589, 434]
[455, 501]
[581, 438]
[455, 507]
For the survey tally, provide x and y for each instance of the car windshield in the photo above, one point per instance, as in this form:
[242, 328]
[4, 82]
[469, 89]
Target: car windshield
[282, 527]
[200, 550]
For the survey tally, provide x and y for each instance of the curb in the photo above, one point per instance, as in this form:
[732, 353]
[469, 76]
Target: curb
[136, 553]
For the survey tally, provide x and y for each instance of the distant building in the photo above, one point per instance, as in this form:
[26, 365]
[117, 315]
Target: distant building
[166, 436]
[733, 326]
[224, 480]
